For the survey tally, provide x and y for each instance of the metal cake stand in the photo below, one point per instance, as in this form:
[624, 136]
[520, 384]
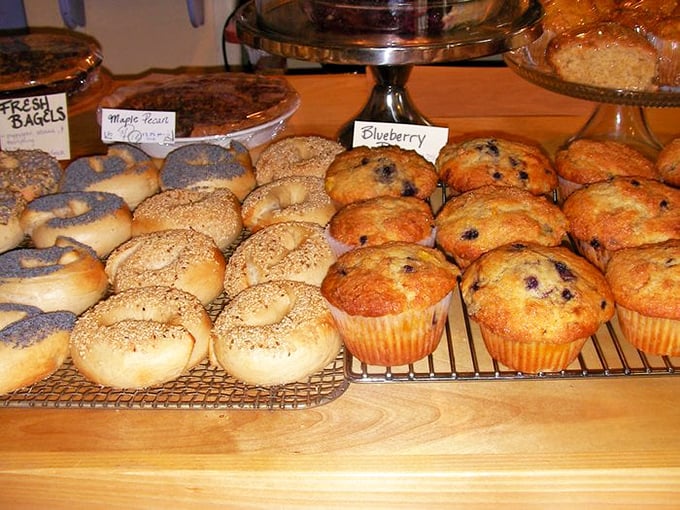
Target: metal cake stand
[285, 30]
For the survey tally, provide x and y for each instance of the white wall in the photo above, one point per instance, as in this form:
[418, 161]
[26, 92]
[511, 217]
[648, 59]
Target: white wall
[138, 35]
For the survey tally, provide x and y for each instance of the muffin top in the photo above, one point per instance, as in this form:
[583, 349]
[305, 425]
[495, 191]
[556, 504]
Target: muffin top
[624, 212]
[482, 161]
[668, 162]
[388, 279]
[366, 172]
[382, 219]
[646, 279]
[585, 161]
[537, 293]
[485, 218]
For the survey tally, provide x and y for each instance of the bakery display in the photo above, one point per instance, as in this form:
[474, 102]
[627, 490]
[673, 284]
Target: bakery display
[124, 170]
[367, 172]
[470, 163]
[216, 213]
[536, 306]
[390, 302]
[141, 337]
[274, 333]
[380, 220]
[621, 213]
[97, 219]
[646, 284]
[182, 258]
[289, 250]
[294, 198]
[485, 218]
[33, 344]
[67, 276]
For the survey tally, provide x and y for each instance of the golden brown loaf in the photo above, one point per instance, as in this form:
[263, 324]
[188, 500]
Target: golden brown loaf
[484, 218]
[478, 162]
[364, 172]
[665, 36]
[620, 213]
[379, 220]
[604, 55]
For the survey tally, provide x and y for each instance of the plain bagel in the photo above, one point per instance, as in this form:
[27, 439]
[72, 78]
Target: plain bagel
[274, 333]
[141, 337]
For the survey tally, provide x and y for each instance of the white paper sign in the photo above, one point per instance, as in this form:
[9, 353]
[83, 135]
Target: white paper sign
[36, 122]
[137, 126]
[425, 140]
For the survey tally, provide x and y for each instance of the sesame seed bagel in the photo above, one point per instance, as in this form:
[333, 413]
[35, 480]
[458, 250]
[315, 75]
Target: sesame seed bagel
[296, 155]
[180, 258]
[282, 251]
[124, 170]
[205, 165]
[100, 220]
[11, 232]
[141, 337]
[274, 333]
[32, 173]
[33, 344]
[294, 198]
[67, 276]
[216, 213]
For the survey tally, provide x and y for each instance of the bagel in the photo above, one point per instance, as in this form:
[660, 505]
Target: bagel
[31, 173]
[216, 213]
[33, 344]
[124, 170]
[275, 333]
[205, 165]
[282, 251]
[181, 258]
[141, 337]
[11, 232]
[294, 198]
[296, 155]
[67, 276]
[99, 220]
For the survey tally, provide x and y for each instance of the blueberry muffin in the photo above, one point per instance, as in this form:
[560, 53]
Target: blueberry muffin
[366, 172]
[390, 302]
[484, 218]
[536, 306]
[478, 162]
[380, 220]
[668, 163]
[622, 213]
[584, 161]
[646, 285]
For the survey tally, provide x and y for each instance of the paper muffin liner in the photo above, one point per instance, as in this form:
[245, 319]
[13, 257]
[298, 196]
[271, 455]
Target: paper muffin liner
[651, 335]
[531, 357]
[338, 247]
[567, 187]
[393, 340]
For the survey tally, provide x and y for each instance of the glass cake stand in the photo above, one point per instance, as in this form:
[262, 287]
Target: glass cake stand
[619, 115]
[285, 30]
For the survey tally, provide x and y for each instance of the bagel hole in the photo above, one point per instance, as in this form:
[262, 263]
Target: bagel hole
[289, 195]
[73, 208]
[271, 311]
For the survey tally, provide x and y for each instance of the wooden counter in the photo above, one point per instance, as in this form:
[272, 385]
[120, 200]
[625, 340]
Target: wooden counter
[578, 443]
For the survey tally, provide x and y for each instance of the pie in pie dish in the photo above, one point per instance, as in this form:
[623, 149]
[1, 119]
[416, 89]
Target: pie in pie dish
[209, 104]
[58, 61]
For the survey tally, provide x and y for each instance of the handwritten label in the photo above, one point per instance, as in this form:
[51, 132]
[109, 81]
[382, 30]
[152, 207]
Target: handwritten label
[137, 126]
[36, 122]
[425, 140]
